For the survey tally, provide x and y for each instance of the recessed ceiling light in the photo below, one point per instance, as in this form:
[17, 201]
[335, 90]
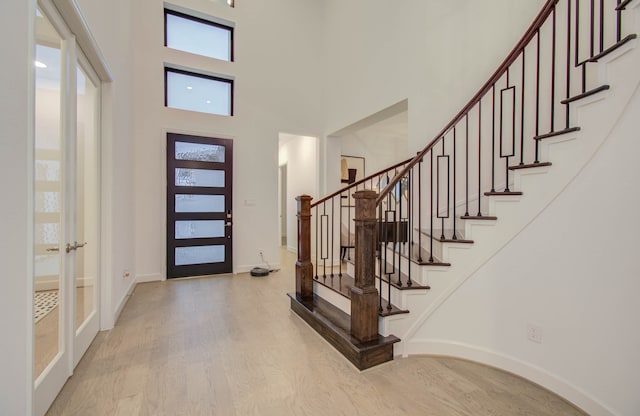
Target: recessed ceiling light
[39, 64]
[189, 87]
[208, 101]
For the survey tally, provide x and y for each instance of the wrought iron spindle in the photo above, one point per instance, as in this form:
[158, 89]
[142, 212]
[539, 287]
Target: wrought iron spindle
[317, 242]
[419, 212]
[493, 138]
[568, 68]
[553, 70]
[454, 236]
[379, 259]
[442, 236]
[409, 224]
[431, 208]
[537, 125]
[466, 186]
[333, 228]
[479, 156]
[522, 107]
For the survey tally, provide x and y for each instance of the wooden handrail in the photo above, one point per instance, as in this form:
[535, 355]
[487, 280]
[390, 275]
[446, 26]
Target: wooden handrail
[353, 185]
[509, 60]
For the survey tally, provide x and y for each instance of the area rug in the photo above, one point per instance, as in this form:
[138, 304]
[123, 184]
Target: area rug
[44, 302]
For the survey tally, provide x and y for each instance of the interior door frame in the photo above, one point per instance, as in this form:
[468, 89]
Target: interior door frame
[172, 270]
[64, 15]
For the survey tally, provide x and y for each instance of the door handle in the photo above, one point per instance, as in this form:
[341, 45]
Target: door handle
[75, 246]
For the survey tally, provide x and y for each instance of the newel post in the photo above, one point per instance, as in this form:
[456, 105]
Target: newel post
[304, 268]
[364, 295]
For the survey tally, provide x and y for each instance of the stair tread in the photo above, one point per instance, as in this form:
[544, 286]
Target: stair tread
[530, 165]
[479, 217]
[612, 48]
[503, 193]
[459, 238]
[556, 133]
[585, 94]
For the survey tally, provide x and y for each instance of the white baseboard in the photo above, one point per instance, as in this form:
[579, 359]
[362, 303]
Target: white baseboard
[124, 301]
[152, 277]
[52, 283]
[531, 372]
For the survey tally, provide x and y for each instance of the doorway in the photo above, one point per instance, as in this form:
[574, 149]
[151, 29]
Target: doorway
[66, 210]
[199, 205]
[283, 204]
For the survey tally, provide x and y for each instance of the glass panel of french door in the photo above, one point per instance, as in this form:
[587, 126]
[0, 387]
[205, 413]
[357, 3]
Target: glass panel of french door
[86, 209]
[199, 210]
[49, 197]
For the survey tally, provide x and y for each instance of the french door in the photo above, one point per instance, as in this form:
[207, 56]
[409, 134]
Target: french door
[66, 209]
[199, 205]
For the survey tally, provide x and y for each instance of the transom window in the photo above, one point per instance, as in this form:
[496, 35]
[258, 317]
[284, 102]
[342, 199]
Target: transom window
[197, 35]
[197, 92]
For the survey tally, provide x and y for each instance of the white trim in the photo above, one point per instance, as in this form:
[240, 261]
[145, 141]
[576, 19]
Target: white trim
[200, 15]
[78, 25]
[124, 301]
[529, 371]
[152, 277]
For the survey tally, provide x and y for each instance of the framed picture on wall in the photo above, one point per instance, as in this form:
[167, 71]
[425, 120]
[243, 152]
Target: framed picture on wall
[351, 169]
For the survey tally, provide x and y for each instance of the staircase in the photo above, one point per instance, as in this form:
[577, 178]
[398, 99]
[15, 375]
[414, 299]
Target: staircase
[423, 227]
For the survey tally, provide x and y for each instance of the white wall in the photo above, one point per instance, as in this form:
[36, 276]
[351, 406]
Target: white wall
[436, 54]
[16, 173]
[382, 144]
[276, 72]
[110, 24]
[300, 154]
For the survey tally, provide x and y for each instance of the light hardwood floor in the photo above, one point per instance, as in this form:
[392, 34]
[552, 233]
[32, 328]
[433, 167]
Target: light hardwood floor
[230, 346]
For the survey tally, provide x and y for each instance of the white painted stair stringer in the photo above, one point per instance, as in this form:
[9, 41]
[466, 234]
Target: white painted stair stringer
[596, 116]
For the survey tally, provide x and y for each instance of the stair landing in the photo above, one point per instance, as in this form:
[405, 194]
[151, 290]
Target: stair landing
[335, 326]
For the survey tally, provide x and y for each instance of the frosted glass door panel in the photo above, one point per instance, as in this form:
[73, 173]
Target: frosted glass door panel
[199, 255]
[200, 177]
[199, 203]
[199, 152]
[199, 229]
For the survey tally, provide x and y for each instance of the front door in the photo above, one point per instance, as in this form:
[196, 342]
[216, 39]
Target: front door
[199, 209]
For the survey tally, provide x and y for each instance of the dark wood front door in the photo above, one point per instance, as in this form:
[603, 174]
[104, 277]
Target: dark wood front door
[199, 210]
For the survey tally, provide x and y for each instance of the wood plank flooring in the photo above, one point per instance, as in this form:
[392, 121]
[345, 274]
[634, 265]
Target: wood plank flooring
[230, 346]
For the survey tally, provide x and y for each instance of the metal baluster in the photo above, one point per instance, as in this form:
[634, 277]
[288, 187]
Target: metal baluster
[400, 224]
[317, 241]
[601, 26]
[567, 112]
[618, 22]
[431, 216]
[513, 137]
[324, 258]
[479, 156]
[553, 70]
[419, 211]
[466, 211]
[380, 225]
[409, 224]
[454, 236]
[442, 236]
[333, 227]
[342, 243]
[493, 138]
[537, 127]
[522, 108]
